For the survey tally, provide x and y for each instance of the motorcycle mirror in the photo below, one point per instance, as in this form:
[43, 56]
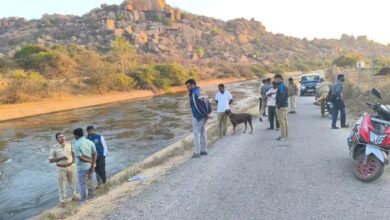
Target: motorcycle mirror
[376, 93]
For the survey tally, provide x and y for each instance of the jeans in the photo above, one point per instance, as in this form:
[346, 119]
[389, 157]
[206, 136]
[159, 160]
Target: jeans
[272, 117]
[338, 105]
[101, 170]
[200, 135]
[85, 184]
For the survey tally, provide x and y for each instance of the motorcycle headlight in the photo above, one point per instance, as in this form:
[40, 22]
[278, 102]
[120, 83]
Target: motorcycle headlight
[376, 139]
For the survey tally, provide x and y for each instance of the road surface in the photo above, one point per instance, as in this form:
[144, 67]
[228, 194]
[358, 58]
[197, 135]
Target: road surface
[246, 176]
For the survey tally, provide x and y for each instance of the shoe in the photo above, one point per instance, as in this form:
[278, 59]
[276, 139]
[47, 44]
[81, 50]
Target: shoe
[335, 127]
[204, 153]
[345, 126]
[260, 119]
[294, 112]
[268, 129]
[279, 138]
[195, 156]
[75, 198]
[265, 115]
[290, 112]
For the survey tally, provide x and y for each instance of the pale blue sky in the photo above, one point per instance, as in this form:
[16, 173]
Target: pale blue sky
[300, 18]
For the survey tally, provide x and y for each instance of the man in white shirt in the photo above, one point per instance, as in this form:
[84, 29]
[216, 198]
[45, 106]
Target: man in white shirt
[223, 99]
[271, 103]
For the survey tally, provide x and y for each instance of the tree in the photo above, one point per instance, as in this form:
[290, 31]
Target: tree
[144, 77]
[348, 60]
[123, 51]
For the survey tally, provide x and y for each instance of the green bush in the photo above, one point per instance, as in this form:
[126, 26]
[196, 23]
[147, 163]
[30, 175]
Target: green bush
[144, 77]
[259, 71]
[24, 86]
[175, 73]
[2, 63]
[348, 60]
[200, 52]
[121, 82]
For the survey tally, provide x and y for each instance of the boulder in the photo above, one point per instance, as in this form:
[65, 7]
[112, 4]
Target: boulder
[110, 25]
[141, 38]
[119, 32]
[145, 5]
[243, 38]
[111, 15]
[129, 29]
[177, 14]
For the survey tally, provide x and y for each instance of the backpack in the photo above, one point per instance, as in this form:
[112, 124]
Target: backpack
[206, 104]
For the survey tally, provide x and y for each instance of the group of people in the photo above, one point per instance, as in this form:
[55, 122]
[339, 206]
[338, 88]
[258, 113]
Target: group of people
[333, 94]
[84, 158]
[275, 97]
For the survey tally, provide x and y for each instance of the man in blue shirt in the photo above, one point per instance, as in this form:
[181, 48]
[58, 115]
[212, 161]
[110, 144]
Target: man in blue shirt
[199, 119]
[101, 149]
[338, 102]
[282, 106]
[85, 153]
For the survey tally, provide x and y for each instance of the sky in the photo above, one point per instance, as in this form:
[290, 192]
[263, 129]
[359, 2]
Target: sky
[298, 18]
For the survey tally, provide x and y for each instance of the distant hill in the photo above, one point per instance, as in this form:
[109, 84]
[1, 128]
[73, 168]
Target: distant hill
[155, 28]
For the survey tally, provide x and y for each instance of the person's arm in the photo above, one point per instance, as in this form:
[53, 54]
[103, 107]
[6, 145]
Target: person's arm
[80, 156]
[296, 89]
[53, 158]
[216, 98]
[94, 158]
[230, 98]
[198, 103]
[105, 148]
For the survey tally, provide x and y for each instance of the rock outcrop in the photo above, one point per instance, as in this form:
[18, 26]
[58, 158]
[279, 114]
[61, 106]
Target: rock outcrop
[154, 27]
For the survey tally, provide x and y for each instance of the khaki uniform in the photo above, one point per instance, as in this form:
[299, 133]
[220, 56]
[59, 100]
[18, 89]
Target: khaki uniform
[66, 169]
[292, 94]
[283, 121]
[323, 90]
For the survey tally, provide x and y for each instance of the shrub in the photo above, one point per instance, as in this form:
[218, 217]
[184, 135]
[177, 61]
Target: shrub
[2, 63]
[348, 60]
[200, 52]
[121, 82]
[259, 71]
[144, 77]
[25, 86]
[215, 31]
[175, 73]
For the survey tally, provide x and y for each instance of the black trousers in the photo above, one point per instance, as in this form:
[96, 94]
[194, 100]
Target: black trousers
[273, 117]
[101, 170]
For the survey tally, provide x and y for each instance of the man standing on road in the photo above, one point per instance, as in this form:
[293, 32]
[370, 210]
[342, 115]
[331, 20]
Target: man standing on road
[62, 154]
[282, 106]
[200, 114]
[272, 116]
[338, 102]
[265, 88]
[323, 90]
[85, 153]
[101, 149]
[223, 99]
[292, 94]
[261, 98]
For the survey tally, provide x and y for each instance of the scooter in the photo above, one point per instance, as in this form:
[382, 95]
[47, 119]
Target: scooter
[369, 142]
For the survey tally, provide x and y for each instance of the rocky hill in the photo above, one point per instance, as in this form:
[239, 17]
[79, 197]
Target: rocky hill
[154, 27]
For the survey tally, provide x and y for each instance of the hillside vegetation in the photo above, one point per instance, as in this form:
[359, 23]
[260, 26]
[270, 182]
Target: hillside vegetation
[147, 44]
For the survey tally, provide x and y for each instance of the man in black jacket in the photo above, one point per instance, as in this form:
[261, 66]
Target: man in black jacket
[282, 106]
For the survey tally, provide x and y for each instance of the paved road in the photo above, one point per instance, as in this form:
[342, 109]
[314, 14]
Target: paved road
[256, 177]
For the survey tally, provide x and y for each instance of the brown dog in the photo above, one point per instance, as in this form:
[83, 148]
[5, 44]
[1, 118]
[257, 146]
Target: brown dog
[236, 119]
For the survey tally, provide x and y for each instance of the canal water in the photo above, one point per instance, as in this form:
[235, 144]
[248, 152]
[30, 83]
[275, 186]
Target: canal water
[134, 130]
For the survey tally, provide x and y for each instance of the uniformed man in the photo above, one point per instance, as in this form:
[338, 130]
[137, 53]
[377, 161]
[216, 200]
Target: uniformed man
[62, 154]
